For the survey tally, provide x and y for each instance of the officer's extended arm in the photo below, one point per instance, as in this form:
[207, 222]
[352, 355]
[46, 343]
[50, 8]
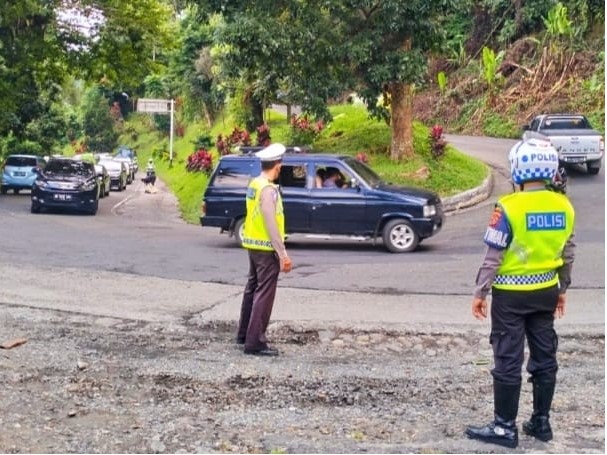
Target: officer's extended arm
[487, 271]
[564, 271]
[267, 202]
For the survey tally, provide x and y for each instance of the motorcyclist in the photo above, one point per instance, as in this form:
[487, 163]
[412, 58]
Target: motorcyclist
[150, 177]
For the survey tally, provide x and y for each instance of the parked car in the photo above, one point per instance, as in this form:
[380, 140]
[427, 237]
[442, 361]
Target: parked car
[363, 207]
[117, 170]
[66, 183]
[572, 136]
[104, 180]
[100, 171]
[127, 152]
[18, 172]
[130, 167]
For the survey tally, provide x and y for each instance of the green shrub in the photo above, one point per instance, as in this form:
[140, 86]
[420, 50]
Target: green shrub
[495, 125]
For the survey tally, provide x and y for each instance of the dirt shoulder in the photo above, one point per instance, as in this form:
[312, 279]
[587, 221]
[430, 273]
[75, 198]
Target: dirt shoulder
[96, 384]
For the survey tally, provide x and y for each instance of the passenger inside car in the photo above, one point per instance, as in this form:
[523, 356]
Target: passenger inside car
[320, 177]
[333, 178]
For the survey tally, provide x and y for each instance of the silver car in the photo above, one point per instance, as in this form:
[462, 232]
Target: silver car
[130, 165]
[118, 172]
[104, 179]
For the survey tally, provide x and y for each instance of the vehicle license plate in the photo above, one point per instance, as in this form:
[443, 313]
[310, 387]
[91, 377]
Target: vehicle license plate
[19, 174]
[574, 159]
[62, 197]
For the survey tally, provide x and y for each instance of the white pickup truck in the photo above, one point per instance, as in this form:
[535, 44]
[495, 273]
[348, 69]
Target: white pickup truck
[572, 136]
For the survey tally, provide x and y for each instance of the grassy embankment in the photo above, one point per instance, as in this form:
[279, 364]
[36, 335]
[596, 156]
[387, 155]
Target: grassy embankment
[350, 132]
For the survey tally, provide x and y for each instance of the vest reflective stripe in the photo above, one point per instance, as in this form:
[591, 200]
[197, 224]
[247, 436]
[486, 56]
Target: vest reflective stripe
[541, 221]
[252, 243]
[255, 234]
[540, 278]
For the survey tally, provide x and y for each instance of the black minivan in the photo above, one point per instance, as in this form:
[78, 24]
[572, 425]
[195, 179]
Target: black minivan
[360, 206]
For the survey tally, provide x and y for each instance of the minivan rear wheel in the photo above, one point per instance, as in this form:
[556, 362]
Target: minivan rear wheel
[399, 236]
[238, 231]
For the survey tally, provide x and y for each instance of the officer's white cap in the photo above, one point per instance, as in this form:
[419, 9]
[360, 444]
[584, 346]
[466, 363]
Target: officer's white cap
[272, 152]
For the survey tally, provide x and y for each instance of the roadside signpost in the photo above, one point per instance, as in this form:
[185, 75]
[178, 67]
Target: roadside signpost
[159, 106]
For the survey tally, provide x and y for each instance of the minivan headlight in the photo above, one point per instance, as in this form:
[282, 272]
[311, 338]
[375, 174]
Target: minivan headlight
[40, 183]
[429, 210]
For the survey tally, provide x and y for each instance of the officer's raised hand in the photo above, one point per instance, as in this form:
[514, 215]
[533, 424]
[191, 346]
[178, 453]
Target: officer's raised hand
[479, 308]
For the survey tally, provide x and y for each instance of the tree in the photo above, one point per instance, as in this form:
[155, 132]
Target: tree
[389, 44]
[31, 61]
[191, 69]
[315, 50]
[115, 42]
[42, 43]
[98, 123]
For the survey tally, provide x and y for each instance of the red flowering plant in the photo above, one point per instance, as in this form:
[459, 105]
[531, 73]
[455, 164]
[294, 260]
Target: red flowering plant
[263, 135]
[238, 136]
[303, 130]
[200, 161]
[437, 142]
[362, 157]
[223, 147]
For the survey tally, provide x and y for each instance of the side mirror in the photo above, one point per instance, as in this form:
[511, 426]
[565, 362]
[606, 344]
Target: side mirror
[36, 170]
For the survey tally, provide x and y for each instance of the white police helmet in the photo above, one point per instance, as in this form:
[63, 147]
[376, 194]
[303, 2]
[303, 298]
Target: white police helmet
[533, 159]
[272, 152]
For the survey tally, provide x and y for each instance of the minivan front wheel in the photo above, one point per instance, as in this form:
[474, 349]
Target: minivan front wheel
[399, 236]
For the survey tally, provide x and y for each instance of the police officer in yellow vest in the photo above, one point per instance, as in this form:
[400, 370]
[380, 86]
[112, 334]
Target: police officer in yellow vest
[263, 236]
[527, 268]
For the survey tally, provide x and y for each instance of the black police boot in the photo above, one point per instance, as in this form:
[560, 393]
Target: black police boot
[502, 431]
[539, 424]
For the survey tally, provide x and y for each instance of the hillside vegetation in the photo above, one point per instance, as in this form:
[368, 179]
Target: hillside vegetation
[351, 132]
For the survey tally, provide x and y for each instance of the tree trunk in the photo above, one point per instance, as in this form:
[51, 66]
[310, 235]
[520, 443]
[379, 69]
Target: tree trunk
[256, 114]
[401, 95]
[518, 17]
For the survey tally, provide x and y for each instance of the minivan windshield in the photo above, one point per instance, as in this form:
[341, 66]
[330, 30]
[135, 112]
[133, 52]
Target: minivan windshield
[364, 172]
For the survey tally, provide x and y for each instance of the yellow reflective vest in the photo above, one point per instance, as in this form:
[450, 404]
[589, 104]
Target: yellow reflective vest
[255, 234]
[541, 221]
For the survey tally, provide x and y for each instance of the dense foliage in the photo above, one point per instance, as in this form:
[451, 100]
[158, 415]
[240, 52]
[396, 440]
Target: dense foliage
[404, 59]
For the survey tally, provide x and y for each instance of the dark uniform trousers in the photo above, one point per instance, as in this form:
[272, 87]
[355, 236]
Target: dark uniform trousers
[258, 299]
[514, 316]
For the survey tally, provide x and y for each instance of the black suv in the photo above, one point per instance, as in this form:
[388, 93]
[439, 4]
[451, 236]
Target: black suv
[361, 206]
[66, 183]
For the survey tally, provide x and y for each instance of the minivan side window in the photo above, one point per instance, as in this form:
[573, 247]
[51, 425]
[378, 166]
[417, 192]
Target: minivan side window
[293, 176]
[235, 174]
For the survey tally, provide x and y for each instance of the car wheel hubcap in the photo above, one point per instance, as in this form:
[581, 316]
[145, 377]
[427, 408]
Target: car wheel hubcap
[401, 237]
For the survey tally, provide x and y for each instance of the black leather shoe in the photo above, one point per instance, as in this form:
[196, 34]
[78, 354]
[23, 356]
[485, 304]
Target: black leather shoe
[501, 433]
[239, 340]
[267, 352]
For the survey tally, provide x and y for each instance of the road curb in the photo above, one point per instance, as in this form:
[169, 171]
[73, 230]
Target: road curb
[470, 197]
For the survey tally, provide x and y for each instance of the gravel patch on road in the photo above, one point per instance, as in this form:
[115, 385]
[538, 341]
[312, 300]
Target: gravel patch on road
[103, 385]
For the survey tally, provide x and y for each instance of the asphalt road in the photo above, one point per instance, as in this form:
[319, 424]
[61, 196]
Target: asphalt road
[142, 234]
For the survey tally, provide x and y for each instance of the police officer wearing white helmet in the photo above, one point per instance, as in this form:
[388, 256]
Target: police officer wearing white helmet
[527, 268]
[263, 236]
